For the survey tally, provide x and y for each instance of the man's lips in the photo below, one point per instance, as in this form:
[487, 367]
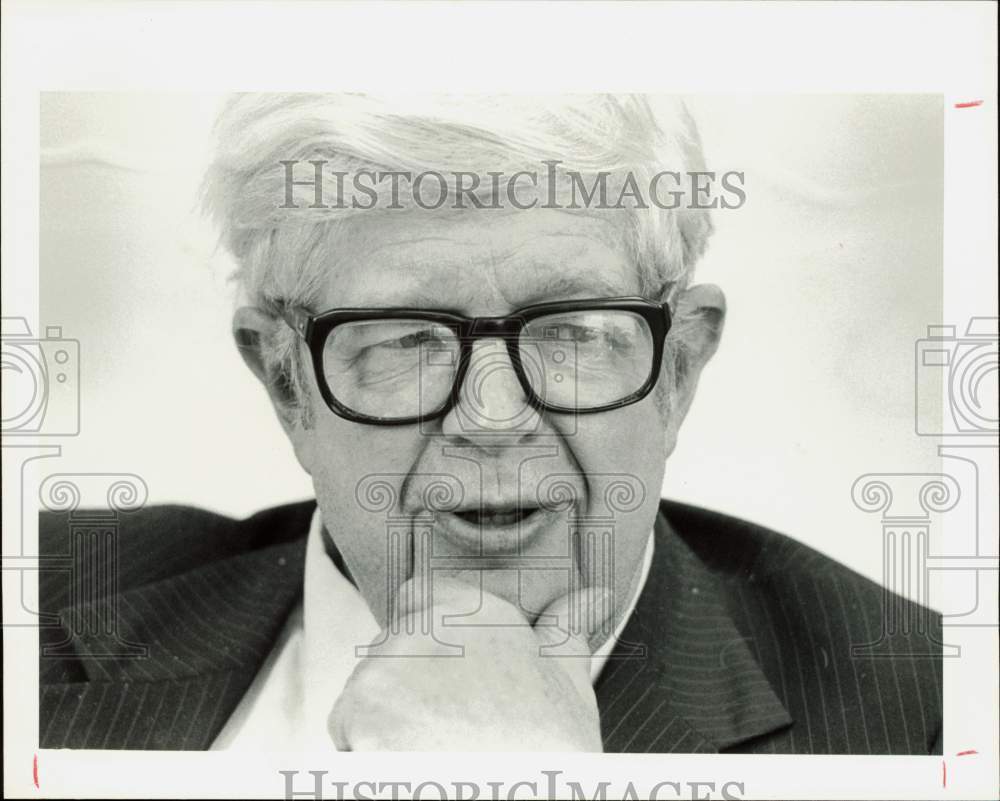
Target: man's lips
[493, 530]
[496, 517]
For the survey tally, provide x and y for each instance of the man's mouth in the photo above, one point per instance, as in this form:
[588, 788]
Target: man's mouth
[497, 517]
[497, 529]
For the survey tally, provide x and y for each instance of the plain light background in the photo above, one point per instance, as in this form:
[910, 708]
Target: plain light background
[832, 269]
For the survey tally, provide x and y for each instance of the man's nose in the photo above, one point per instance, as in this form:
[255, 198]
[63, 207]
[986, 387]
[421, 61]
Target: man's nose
[492, 407]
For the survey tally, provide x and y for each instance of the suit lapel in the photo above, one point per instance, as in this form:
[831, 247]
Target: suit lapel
[178, 655]
[681, 678]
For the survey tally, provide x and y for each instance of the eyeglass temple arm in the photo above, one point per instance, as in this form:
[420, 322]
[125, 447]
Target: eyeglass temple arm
[297, 319]
[668, 316]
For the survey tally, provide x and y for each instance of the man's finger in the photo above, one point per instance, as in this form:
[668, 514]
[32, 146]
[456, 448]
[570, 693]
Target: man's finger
[413, 599]
[412, 596]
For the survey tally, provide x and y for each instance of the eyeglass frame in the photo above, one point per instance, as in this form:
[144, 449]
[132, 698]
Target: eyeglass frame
[315, 329]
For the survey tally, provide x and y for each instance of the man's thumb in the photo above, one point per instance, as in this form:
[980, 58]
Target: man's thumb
[578, 623]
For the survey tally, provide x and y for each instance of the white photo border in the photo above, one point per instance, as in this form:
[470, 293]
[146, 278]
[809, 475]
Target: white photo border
[946, 48]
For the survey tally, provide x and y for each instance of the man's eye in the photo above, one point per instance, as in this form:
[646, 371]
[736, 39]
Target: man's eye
[580, 333]
[409, 341]
[597, 336]
[599, 339]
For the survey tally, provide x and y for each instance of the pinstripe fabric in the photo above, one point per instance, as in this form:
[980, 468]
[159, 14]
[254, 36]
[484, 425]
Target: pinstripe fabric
[747, 638]
[740, 642]
[206, 596]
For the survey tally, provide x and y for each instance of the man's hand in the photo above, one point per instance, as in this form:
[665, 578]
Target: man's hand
[515, 688]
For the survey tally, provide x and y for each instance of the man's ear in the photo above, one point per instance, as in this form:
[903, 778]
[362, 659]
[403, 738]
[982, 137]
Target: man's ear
[699, 315]
[251, 328]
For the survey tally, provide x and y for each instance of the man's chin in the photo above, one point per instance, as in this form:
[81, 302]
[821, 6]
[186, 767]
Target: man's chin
[530, 592]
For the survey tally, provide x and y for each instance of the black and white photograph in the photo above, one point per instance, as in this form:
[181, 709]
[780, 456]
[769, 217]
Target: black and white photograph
[502, 434]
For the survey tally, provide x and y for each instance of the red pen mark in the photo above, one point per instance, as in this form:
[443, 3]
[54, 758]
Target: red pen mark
[970, 104]
[34, 770]
[944, 765]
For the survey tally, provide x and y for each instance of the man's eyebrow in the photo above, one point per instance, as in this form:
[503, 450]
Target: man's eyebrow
[558, 287]
[564, 286]
[405, 299]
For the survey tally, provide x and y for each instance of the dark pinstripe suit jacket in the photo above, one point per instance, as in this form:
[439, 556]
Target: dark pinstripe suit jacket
[742, 641]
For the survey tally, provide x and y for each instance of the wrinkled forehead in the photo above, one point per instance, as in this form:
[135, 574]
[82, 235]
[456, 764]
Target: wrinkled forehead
[480, 262]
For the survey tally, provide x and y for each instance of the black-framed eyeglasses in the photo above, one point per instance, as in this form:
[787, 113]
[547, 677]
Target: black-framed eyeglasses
[402, 366]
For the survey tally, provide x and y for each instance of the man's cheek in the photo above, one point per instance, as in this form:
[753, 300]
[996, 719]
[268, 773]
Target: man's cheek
[622, 457]
[359, 478]
[627, 441]
[349, 455]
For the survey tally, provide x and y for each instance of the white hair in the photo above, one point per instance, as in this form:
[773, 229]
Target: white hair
[279, 251]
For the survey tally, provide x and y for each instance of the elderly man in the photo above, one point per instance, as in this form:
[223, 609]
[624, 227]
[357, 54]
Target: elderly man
[476, 322]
